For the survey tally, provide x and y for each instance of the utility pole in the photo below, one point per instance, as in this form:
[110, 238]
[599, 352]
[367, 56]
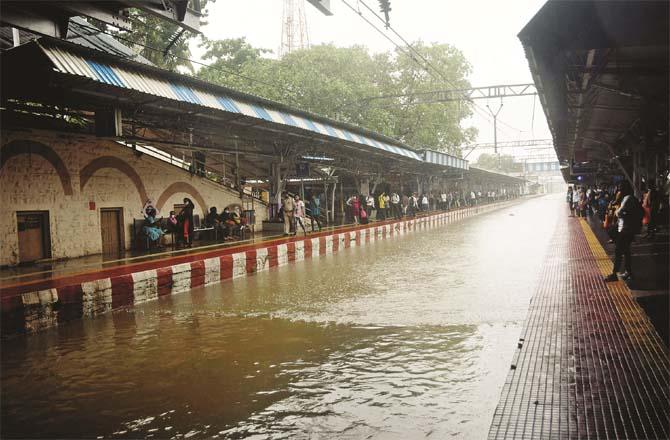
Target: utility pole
[495, 129]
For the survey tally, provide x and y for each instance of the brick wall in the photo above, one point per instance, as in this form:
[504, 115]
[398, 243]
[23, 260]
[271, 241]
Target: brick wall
[44, 171]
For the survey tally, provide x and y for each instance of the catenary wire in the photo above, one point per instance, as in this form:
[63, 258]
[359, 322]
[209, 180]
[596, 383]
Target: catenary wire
[420, 55]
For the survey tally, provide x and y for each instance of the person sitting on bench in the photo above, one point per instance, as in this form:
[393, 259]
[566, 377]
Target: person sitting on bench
[235, 221]
[151, 228]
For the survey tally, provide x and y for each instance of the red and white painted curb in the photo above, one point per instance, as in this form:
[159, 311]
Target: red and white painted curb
[25, 310]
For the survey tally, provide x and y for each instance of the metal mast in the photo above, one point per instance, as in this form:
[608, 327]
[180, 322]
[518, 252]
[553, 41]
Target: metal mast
[294, 34]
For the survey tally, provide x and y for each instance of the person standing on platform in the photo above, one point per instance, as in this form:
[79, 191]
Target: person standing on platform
[395, 205]
[629, 222]
[186, 216]
[387, 200]
[299, 214]
[575, 201]
[413, 205]
[315, 211]
[425, 206]
[568, 198]
[651, 205]
[355, 205]
[288, 206]
[381, 206]
[369, 205]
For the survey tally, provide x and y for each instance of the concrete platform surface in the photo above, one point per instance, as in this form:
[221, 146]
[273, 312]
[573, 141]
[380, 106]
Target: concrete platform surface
[589, 363]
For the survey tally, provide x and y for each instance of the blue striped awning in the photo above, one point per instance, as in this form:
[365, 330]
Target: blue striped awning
[70, 62]
[444, 159]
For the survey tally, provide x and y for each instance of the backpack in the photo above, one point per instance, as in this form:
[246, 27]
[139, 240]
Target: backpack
[632, 216]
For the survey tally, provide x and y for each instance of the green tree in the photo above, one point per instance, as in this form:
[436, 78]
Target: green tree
[151, 35]
[227, 58]
[340, 82]
[434, 125]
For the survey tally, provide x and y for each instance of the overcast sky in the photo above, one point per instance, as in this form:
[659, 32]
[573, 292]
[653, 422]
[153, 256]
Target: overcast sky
[484, 30]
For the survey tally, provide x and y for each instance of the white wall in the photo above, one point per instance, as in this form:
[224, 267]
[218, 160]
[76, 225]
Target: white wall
[30, 182]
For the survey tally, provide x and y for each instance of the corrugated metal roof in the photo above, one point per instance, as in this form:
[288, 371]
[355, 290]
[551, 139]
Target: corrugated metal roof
[85, 34]
[68, 62]
[440, 158]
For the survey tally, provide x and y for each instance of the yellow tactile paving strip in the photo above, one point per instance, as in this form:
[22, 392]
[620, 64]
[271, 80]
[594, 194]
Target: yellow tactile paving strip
[604, 262]
[631, 313]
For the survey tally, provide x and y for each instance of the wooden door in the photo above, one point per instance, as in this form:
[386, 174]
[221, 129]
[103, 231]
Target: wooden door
[34, 241]
[111, 231]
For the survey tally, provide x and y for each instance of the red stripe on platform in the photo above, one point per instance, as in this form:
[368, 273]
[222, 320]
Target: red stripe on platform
[290, 251]
[226, 267]
[308, 248]
[273, 256]
[71, 295]
[336, 243]
[123, 288]
[71, 301]
[197, 273]
[322, 245]
[164, 275]
[250, 261]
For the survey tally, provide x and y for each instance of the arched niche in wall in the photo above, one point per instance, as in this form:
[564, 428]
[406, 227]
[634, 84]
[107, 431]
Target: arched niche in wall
[19, 147]
[117, 164]
[181, 187]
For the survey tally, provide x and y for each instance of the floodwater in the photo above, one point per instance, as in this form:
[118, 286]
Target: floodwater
[404, 338]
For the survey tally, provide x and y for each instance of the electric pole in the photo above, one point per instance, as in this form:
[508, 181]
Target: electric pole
[495, 129]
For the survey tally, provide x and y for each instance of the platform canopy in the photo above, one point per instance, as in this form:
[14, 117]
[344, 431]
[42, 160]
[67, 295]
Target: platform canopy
[162, 106]
[601, 70]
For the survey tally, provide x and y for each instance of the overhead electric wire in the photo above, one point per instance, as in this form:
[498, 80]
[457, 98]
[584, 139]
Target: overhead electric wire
[439, 72]
[382, 33]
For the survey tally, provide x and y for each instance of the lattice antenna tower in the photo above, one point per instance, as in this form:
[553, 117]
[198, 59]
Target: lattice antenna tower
[294, 34]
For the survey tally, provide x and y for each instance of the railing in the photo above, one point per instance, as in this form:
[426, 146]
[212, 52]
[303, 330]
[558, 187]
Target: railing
[194, 167]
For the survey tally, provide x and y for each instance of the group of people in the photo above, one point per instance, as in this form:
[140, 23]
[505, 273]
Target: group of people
[228, 223]
[293, 212]
[622, 215]
[360, 208]
[603, 201]
[586, 201]
[182, 225]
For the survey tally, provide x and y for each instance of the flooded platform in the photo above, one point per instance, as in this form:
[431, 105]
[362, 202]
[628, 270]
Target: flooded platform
[589, 363]
[408, 337]
[394, 339]
[55, 297]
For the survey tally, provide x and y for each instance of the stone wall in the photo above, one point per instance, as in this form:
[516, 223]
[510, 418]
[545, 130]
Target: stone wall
[74, 176]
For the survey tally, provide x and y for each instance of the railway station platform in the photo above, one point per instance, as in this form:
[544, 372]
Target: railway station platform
[589, 363]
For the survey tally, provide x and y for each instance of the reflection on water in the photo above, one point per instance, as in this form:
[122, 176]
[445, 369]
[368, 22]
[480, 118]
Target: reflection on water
[405, 338]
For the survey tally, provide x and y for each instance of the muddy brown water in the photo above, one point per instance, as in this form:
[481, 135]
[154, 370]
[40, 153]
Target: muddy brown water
[403, 338]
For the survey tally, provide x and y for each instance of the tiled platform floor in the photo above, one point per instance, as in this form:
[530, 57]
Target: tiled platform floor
[589, 364]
